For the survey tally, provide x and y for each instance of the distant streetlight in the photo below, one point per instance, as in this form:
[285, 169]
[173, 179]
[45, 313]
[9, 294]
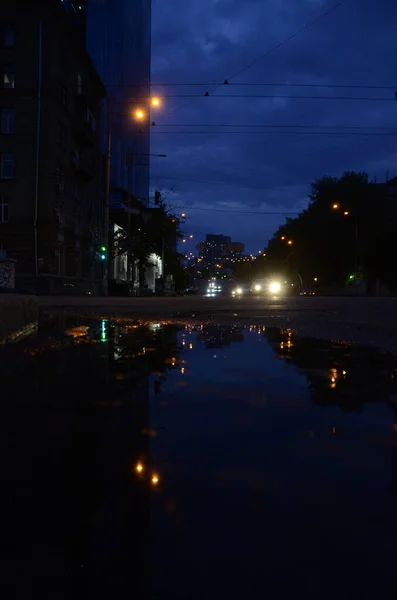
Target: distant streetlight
[191, 236]
[346, 213]
[155, 101]
[139, 114]
[290, 242]
[183, 215]
[260, 252]
[283, 237]
[184, 241]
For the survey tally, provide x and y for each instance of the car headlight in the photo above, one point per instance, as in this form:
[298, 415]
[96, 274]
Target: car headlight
[258, 287]
[275, 287]
[239, 291]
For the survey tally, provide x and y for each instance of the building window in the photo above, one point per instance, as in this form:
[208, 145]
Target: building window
[8, 80]
[7, 35]
[4, 209]
[7, 166]
[7, 120]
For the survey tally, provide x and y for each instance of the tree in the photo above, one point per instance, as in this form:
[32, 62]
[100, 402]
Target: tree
[322, 241]
[152, 231]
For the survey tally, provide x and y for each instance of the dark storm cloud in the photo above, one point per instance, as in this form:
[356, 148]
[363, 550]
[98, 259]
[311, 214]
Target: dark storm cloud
[209, 40]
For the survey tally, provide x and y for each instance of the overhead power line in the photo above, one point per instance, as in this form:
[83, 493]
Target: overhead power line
[273, 49]
[226, 210]
[289, 38]
[267, 84]
[221, 183]
[290, 96]
[274, 126]
[282, 132]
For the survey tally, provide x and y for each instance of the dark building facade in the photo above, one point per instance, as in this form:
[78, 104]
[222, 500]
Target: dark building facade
[51, 177]
[118, 37]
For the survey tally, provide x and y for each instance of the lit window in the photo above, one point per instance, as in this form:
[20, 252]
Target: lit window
[7, 120]
[8, 80]
[4, 209]
[7, 166]
[7, 36]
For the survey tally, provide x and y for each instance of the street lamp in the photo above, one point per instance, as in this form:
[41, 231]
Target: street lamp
[290, 242]
[346, 213]
[139, 115]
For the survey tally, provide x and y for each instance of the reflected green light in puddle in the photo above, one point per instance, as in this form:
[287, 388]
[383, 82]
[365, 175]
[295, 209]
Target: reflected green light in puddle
[103, 331]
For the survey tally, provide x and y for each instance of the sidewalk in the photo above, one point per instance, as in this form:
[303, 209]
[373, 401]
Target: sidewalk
[18, 315]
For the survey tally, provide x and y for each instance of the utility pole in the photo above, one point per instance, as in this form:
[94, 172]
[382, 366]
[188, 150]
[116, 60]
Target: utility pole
[107, 191]
[130, 164]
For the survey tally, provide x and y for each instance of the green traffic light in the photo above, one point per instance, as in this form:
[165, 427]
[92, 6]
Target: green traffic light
[103, 248]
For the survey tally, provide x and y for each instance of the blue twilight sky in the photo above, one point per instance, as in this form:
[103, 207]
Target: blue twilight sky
[268, 169]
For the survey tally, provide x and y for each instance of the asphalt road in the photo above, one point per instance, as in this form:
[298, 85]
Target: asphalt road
[364, 320]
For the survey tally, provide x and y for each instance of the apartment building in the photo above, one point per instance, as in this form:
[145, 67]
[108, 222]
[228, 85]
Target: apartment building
[51, 166]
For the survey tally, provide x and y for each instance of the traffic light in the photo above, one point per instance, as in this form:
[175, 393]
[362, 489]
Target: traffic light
[103, 253]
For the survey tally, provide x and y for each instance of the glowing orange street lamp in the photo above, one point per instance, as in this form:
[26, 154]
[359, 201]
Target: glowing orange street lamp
[335, 206]
[346, 213]
[139, 114]
[290, 242]
[155, 101]
[283, 237]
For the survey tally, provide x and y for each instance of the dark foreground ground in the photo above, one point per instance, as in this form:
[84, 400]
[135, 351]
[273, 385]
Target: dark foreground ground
[197, 461]
[370, 321]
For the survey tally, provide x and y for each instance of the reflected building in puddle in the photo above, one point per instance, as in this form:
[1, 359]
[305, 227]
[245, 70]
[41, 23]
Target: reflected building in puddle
[340, 374]
[220, 336]
[83, 419]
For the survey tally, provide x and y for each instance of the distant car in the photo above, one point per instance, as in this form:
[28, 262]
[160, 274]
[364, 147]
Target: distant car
[265, 287]
[307, 292]
[241, 290]
[190, 292]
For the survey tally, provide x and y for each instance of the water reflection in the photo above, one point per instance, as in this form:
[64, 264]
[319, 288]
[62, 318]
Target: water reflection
[142, 454]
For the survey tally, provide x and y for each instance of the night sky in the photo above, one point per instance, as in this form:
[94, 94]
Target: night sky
[261, 169]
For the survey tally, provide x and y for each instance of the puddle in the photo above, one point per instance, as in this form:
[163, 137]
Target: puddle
[212, 461]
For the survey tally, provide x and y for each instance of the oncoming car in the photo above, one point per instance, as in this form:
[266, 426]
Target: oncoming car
[241, 290]
[261, 287]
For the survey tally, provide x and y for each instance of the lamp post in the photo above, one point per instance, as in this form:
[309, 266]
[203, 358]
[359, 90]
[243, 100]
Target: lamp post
[139, 115]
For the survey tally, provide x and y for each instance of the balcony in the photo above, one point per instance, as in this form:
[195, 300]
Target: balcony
[82, 167]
